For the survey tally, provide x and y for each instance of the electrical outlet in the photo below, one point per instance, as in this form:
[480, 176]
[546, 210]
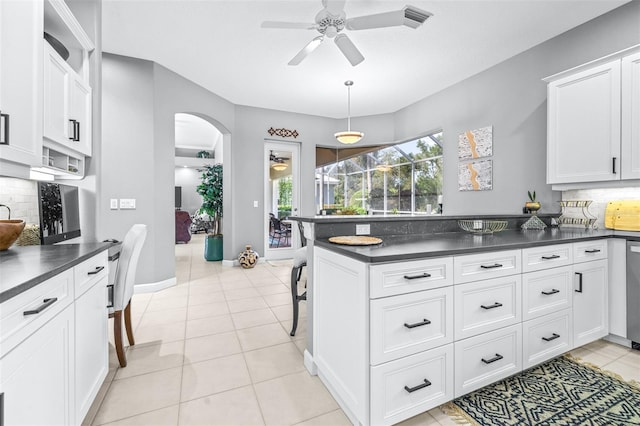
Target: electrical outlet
[127, 203]
[114, 204]
[255, 203]
[364, 229]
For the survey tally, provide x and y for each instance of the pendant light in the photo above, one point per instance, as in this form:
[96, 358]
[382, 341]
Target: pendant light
[349, 137]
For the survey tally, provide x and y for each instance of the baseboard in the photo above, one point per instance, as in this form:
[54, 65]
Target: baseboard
[153, 287]
[619, 340]
[311, 366]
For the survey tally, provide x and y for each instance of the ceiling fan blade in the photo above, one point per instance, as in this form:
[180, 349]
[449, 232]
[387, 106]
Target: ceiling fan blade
[348, 49]
[289, 25]
[409, 16]
[335, 7]
[310, 47]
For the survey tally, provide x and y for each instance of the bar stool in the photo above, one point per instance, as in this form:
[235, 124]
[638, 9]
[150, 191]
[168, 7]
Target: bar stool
[299, 262]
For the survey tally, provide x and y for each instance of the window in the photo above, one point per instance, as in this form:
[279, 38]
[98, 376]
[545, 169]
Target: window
[405, 178]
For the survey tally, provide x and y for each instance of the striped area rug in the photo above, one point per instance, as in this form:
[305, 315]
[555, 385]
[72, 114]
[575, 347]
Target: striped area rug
[562, 391]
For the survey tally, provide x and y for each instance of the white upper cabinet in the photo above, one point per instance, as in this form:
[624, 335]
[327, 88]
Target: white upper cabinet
[591, 121]
[67, 104]
[67, 93]
[21, 27]
[631, 117]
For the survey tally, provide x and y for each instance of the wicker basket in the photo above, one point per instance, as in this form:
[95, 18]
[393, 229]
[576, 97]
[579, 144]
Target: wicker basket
[30, 236]
[478, 226]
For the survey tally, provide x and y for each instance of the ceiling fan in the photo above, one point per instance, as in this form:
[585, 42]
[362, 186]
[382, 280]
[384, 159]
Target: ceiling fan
[332, 20]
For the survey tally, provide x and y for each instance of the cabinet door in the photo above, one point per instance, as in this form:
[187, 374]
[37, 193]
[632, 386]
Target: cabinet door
[631, 117]
[56, 89]
[21, 82]
[590, 302]
[80, 115]
[37, 376]
[92, 350]
[583, 126]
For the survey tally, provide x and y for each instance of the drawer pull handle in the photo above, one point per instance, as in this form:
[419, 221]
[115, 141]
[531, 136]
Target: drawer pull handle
[415, 277]
[418, 324]
[498, 357]
[553, 256]
[95, 271]
[495, 305]
[46, 303]
[495, 265]
[553, 337]
[420, 386]
[579, 290]
[553, 291]
[592, 251]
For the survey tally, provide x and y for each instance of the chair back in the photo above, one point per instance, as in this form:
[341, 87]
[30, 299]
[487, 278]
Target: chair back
[128, 265]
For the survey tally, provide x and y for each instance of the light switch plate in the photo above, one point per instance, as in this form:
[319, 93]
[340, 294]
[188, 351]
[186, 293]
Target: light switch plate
[127, 203]
[114, 204]
[255, 203]
[364, 229]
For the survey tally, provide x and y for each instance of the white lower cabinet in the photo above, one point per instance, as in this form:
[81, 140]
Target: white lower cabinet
[36, 376]
[411, 385]
[483, 359]
[590, 301]
[546, 337]
[54, 347]
[393, 340]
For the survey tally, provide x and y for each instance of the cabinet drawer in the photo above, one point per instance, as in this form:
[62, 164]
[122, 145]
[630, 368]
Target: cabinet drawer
[589, 250]
[487, 305]
[411, 385]
[484, 359]
[546, 337]
[49, 298]
[537, 258]
[546, 291]
[89, 272]
[409, 323]
[486, 265]
[403, 277]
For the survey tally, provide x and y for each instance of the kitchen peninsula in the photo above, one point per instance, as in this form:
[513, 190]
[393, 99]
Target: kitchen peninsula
[433, 313]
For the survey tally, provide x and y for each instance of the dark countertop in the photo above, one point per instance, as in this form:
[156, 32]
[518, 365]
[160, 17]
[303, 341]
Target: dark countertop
[405, 247]
[23, 267]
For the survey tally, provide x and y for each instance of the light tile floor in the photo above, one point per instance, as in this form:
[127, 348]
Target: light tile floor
[215, 350]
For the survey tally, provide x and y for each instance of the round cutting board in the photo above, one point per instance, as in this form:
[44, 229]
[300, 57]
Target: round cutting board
[355, 240]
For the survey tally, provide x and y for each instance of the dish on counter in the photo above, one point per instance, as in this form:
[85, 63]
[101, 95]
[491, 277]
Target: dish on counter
[355, 240]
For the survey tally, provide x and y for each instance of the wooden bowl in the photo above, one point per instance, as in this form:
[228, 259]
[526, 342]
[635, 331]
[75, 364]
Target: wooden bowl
[10, 230]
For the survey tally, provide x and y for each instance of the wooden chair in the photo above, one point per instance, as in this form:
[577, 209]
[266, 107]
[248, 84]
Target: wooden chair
[123, 287]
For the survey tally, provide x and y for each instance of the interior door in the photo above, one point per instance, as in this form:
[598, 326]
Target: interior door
[282, 176]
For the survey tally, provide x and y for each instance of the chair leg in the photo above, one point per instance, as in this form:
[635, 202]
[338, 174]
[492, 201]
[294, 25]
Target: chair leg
[117, 334]
[127, 323]
[294, 296]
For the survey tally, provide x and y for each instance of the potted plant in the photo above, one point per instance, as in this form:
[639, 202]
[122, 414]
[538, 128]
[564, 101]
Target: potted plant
[532, 206]
[203, 154]
[211, 191]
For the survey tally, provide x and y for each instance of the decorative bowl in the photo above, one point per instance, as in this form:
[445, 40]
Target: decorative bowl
[10, 230]
[481, 226]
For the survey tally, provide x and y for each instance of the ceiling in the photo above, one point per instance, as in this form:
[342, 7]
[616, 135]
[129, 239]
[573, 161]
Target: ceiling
[220, 45]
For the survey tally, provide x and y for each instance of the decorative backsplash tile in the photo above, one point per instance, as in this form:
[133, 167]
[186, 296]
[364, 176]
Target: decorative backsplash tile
[600, 198]
[21, 195]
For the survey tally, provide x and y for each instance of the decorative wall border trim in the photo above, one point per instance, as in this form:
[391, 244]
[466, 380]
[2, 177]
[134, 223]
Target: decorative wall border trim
[283, 133]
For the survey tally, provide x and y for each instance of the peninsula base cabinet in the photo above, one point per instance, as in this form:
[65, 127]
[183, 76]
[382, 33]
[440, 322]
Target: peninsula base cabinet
[54, 347]
[395, 339]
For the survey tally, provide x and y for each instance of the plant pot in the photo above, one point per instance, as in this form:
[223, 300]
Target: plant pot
[532, 206]
[213, 247]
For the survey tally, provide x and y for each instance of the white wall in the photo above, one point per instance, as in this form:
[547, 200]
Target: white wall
[189, 179]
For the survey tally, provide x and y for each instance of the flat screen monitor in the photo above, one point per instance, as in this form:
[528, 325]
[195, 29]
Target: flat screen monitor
[59, 212]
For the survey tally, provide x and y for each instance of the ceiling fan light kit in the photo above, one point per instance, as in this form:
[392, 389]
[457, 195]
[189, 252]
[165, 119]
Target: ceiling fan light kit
[349, 136]
[332, 20]
[278, 167]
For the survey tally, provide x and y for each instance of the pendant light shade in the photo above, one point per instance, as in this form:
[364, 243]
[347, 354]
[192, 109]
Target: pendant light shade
[349, 136]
